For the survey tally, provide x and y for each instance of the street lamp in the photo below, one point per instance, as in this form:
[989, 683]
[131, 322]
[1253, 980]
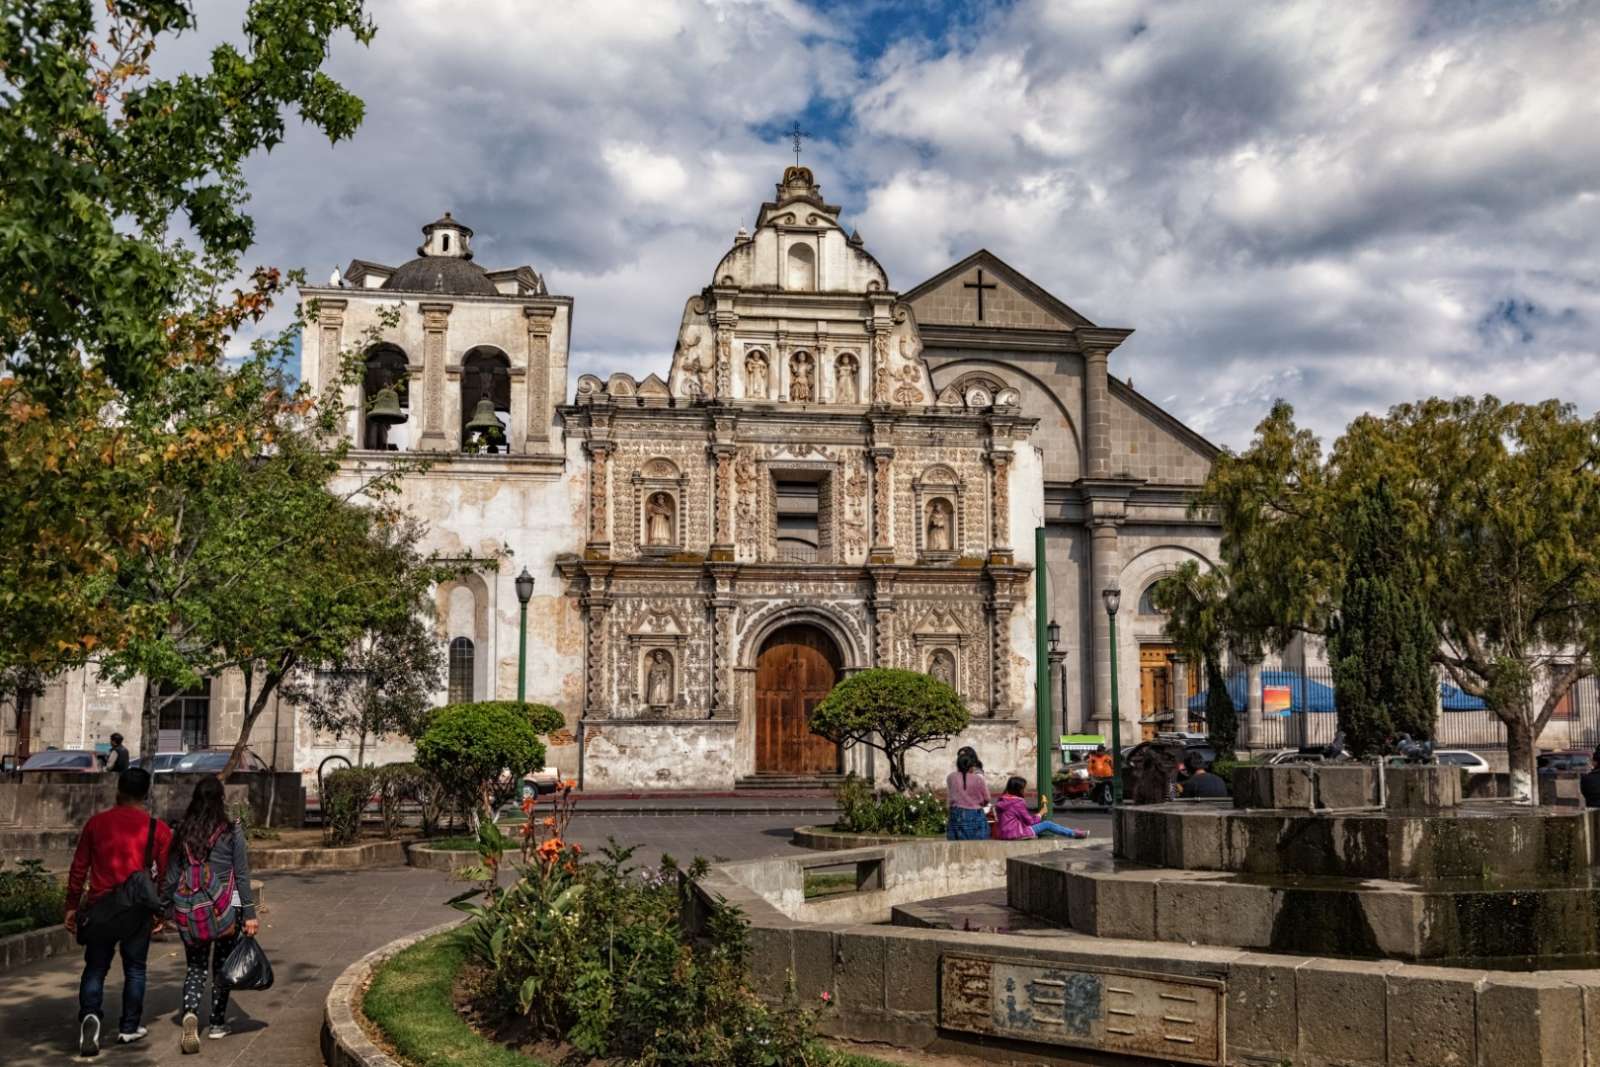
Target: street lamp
[1054, 630]
[1113, 598]
[524, 583]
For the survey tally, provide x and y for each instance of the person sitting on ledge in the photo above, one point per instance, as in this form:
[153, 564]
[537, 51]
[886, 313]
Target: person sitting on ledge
[1014, 822]
[1201, 783]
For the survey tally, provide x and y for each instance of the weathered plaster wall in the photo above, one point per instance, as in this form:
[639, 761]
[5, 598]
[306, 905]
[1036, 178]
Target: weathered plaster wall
[656, 754]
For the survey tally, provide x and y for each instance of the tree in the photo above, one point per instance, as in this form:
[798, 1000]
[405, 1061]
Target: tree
[1381, 640]
[382, 684]
[107, 316]
[893, 711]
[1499, 516]
[473, 748]
[1205, 616]
[1222, 718]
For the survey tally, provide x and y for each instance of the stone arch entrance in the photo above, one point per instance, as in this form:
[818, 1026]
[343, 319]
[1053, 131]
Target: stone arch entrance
[798, 665]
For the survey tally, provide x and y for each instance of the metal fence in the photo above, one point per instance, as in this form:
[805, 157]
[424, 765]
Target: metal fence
[1298, 709]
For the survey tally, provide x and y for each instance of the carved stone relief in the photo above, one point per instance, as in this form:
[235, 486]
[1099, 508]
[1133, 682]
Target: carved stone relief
[802, 371]
[847, 380]
[755, 376]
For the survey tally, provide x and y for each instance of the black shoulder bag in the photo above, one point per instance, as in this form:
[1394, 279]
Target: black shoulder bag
[124, 911]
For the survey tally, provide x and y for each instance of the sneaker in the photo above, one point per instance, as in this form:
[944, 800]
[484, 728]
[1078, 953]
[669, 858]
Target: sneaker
[89, 1036]
[218, 1031]
[190, 1042]
[130, 1036]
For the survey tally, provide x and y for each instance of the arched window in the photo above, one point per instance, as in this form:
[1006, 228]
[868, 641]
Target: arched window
[461, 671]
[802, 267]
[485, 374]
[1147, 602]
[380, 429]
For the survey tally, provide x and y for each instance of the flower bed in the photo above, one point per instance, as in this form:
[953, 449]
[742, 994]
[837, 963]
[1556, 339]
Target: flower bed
[863, 810]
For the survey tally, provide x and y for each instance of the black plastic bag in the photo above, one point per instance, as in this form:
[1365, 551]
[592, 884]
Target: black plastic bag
[247, 967]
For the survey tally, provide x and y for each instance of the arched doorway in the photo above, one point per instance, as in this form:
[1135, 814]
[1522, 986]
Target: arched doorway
[797, 667]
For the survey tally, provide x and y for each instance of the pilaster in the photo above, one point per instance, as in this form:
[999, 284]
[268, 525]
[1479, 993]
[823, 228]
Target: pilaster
[330, 344]
[1097, 404]
[540, 322]
[435, 328]
[1105, 566]
[599, 546]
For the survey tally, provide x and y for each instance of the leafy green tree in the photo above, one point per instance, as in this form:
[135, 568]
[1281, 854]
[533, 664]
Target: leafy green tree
[113, 327]
[383, 684]
[1222, 718]
[1499, 507]
[1381, 641]
[893, 711]
[476, 749]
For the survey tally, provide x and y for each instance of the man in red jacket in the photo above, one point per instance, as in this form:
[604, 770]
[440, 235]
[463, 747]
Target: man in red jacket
[111, 848]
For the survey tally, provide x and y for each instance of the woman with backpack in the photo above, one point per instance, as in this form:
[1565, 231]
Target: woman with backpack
[207, 885]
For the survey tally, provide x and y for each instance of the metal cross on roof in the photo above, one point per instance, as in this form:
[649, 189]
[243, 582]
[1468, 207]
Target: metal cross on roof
[796, 134]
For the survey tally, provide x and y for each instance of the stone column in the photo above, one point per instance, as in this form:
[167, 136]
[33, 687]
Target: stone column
[1000, 608]
[882, 603]
[540, 321]
[722, 674]
[1000, 549]
[880, 363]
[725, 321]
[435, 325]
[1180, 691]
[596, 607]
[599, 497]
[1058, 683]
[1105, 568]
[1097, 405]
[1255, 721]
[882, 502]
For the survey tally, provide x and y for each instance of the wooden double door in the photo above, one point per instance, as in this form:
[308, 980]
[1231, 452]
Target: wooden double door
[797, 667]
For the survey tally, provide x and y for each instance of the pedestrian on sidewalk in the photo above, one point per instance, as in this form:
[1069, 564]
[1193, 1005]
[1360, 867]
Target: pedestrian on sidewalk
[968, 796]
[117, 758]
[1014, 822]
[114, 846]
[207, 887]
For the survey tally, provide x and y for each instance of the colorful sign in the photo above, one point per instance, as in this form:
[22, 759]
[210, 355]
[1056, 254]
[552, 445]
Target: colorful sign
[1276, 701]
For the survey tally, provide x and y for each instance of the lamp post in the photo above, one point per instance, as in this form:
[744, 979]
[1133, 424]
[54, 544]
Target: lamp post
[524, 585]
[1113, 598]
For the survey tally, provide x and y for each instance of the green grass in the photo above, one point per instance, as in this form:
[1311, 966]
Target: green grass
[827, 885]
[452, 844]
[411, 1001]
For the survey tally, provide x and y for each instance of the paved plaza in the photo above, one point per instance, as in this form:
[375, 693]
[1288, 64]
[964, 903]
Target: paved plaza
[316, 924]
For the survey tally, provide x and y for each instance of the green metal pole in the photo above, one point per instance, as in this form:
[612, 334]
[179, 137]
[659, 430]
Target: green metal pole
[1043, 718]
[522, 656]
[1116, 719]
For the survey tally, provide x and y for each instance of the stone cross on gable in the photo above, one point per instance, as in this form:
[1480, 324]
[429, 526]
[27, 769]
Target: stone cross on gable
[980, 287]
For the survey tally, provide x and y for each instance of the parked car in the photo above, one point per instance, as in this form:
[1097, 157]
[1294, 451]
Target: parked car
[212, 760]
[160, 763]
[1299, 755]
[1564, 761]
[64, 761]
[1470, 762]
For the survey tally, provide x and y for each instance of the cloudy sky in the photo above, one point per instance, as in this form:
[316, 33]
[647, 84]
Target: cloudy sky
[1345, 203]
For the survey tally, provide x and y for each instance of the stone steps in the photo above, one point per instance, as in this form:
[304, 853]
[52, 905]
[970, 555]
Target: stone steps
[786, 782]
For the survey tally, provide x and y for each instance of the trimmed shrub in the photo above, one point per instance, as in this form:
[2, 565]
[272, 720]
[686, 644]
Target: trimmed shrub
[893, 711]
[479, 752]
[30, 898]
[345, 794]
[1222, 718]
[398, 784]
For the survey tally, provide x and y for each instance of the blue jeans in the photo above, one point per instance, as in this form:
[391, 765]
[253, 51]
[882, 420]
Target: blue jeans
[1046, 828]
[97, 964]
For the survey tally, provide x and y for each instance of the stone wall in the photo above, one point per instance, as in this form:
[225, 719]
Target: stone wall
[657, 754]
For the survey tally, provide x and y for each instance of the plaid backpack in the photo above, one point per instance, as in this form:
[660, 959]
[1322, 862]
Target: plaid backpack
[203, 902]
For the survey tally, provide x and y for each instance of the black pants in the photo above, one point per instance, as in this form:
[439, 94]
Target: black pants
[201, 957]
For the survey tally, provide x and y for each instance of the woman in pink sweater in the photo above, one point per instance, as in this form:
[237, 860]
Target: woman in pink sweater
[1014, 822]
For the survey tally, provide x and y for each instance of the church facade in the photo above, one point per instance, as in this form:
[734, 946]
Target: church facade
[830, 474]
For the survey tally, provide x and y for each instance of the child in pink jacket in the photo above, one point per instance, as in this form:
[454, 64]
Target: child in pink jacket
[1014, 822]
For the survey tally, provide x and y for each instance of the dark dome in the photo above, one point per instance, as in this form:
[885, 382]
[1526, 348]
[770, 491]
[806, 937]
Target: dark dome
[442, 274]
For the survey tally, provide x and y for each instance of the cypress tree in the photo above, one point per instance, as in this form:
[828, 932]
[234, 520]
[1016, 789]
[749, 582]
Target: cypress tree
[1222, 718]
[1382, 639]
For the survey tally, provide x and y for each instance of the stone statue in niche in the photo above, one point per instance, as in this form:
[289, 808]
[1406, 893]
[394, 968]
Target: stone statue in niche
[800, 374]
[658, 681]
[755, 377]
[658, 512]
[942, 667]
[848, 374]
[939, 539]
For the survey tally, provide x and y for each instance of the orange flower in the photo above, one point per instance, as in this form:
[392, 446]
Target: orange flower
[550, 821]
[569, 784]
[549, 850]
[527, 803]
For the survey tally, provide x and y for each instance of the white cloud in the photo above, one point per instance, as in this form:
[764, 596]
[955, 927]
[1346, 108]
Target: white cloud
[1344, 204]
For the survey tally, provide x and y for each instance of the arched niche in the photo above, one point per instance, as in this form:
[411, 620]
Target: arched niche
[485, 373]
[800, 268]
[385, 366]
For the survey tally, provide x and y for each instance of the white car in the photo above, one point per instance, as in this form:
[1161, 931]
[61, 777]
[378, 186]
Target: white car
[1470, 762]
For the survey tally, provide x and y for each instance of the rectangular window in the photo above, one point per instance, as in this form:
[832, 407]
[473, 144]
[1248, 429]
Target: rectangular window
[185, 722]
[798, 515]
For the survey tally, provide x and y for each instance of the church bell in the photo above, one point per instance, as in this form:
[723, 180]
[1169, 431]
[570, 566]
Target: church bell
[483, 418]
[386, 407]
